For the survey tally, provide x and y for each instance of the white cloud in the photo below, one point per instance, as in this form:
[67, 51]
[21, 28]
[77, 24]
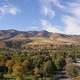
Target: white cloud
[74, 9]
[57, 3]
[47, 7]
[8, 9]
[71, 20]
[14, 10]
[48, 12]
[72, 25]
[54, 2]
[49, 27]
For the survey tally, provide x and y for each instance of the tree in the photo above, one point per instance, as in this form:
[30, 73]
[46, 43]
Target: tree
[76, 78]
[18, 71]
[27, 66]
[71, 70]
[3, 70]
[60, 63]
[10, 64]
[36, 72]
[48, 68]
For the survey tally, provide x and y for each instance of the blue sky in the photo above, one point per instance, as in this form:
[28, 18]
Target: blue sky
[61, 16]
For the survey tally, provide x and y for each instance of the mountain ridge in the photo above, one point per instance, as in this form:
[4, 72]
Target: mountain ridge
[37, 37]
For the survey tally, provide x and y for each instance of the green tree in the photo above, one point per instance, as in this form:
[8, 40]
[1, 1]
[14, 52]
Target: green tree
[27, 66]
[71, 70]
[10, 64]
[18, 71]
[48, 69]
[60, 63]
[36, 72]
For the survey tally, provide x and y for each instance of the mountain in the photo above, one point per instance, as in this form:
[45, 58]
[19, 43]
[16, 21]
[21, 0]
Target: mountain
[25, 38]
[6, 34]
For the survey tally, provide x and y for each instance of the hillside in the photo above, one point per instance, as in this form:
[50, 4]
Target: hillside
[22, 38]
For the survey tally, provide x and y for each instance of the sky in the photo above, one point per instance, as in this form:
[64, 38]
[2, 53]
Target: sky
[61, 16]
